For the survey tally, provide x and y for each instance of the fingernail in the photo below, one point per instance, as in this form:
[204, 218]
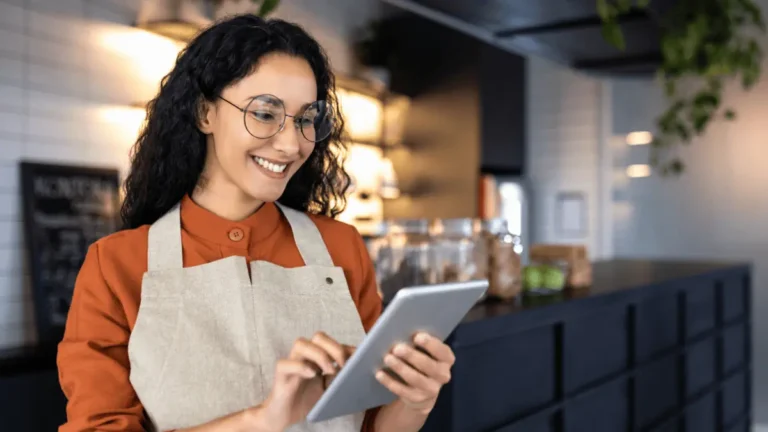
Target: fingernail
[400, 349]
[421, 338]
[379, 375]
[389, 359]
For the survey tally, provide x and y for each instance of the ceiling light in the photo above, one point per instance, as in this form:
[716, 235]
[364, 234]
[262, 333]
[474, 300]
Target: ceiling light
[639, 138]
[639, 170]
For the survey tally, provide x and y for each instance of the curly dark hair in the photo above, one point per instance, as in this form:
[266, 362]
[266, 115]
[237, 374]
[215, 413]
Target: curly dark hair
[168, 157]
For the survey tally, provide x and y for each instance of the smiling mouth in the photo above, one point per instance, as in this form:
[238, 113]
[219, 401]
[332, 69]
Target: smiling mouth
[270, 166]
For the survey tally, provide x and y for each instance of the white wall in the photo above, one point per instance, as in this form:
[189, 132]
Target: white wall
[716, 210]
[564, 137]
[69, 70]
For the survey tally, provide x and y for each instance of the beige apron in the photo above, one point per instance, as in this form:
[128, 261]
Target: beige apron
[207, 338]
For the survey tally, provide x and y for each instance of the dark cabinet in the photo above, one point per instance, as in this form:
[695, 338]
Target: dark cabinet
[502, 111]
[429, 60]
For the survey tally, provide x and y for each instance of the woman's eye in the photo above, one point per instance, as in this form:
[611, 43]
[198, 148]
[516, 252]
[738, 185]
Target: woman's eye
[305, 121]
[264, 116]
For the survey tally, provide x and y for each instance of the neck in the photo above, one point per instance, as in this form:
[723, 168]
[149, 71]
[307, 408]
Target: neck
[225, 201]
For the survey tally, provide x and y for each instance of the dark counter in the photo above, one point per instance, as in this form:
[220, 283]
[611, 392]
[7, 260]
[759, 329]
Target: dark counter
[651, 346]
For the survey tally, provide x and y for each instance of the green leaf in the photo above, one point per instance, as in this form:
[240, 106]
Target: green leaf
[676, 166]
[267, 6]
[604, 10]
[642, 4]
[624, 6]
[670, 86]
[750, 76]
[729, 114]
[613, 35]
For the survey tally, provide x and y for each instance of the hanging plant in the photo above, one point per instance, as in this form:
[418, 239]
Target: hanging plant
[266, 6]
[704, 45]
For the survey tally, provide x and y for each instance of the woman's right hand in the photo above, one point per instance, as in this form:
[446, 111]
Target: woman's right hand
[302, 378]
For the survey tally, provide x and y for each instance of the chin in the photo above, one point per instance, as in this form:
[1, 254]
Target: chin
[265, 194]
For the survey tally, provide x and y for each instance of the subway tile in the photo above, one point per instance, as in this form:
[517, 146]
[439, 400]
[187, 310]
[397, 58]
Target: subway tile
[11, 262]
[12, 288]
[12, 98]
[11, 122]
[72, 8]
[18, 336]
[19, 3]
[56, 26]
[16, 312]
[11, 42]
[11, 146]
[11, 233]
[58, 80]
[9, 176]
[12, 16]
[48, 52]
[120, 89]
[11, 70]
[106, 12]
[51, 150]
[10, 205]
[47, 104]
[58, 130]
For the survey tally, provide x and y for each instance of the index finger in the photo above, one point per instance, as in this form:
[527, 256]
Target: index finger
[336, 350]
[435, 347]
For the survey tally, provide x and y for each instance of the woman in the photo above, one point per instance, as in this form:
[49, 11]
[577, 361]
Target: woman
[219, 308]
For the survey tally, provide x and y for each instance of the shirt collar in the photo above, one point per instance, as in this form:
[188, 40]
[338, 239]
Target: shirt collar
[238, 234]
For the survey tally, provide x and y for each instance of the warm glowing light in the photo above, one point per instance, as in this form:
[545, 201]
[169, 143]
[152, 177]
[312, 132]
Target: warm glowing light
[639, 138]
[152, 54]
[362, 163]
[388, 188]
[395, 115]
[127, 120]
[639, 170]
[362, 115]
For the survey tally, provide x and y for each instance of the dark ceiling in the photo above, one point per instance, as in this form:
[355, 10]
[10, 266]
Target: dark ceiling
[565, 31]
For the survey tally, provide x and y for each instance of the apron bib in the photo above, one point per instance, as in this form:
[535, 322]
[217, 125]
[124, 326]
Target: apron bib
[207, 338]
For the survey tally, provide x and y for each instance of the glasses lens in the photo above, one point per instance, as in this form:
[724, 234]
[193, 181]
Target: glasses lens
[264, 115]
[317, 121]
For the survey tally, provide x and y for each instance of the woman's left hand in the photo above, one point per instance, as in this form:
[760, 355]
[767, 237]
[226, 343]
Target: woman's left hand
[423, 373]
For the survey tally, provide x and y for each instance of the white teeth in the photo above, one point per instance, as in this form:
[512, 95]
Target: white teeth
[277, 168]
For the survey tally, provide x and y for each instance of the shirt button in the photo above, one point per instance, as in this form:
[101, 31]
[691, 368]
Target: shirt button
[236, 234]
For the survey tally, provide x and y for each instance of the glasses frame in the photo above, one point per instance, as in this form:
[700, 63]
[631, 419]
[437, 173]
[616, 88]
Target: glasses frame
[282, 123]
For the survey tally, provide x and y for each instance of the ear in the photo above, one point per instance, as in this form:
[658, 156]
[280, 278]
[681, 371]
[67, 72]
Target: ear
[206, 116]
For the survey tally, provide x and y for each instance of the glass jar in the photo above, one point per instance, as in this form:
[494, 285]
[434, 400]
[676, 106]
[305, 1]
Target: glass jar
[460, 252]
[504, 260]
[404, 257]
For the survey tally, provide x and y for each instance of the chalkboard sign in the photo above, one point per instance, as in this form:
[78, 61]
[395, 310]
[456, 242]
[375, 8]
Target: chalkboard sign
[66, 208]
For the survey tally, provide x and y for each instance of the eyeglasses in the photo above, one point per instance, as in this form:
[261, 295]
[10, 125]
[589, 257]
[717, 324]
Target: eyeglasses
[264, 117]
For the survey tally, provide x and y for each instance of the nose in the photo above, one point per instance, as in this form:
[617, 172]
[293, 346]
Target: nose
[287, 141]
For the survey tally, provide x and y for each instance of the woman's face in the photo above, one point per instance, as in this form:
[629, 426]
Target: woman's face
[259, 167]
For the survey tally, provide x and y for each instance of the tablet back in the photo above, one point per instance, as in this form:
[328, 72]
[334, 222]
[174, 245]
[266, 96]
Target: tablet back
[435, 309]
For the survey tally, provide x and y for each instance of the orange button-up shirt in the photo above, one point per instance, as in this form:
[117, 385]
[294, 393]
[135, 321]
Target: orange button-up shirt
[93, 355]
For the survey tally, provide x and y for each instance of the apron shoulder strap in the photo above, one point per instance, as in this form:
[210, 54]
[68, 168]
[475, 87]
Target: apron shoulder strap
[308, 239]
[165, 250]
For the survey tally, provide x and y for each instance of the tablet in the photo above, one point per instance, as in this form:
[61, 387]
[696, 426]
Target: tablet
[435, 309]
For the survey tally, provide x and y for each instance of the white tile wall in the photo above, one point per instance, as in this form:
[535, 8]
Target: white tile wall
[563, 147]
[48, 108]
[65, 88]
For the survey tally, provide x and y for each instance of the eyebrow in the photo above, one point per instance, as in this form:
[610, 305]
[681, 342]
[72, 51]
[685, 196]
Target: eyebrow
[271, 101]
